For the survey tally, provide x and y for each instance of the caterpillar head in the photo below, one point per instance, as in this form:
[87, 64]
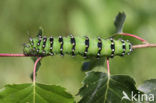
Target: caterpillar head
[27, 49]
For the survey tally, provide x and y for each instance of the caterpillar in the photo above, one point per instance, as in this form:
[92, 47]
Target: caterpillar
[84, 46]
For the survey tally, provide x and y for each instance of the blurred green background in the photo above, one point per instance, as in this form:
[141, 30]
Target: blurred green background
[21, 19]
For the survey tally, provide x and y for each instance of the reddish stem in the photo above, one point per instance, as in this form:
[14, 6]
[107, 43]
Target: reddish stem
[144, 46]
[108, 69]
[11, 55]
[34, 71]
[137, 37]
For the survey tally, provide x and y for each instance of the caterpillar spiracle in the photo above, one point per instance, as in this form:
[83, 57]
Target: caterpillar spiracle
[84, 46]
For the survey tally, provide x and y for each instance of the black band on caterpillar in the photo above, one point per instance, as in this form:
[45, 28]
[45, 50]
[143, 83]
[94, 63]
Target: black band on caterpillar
[72, 40]
[32, 44]
[44, 45]
[34, 49]
[51, 39]
[123, 47]
[31, 41]
[44, 42]
[112, 47]
[130, 47]
[87, 46]
[61, 46]
[39, 41]
[99, 47]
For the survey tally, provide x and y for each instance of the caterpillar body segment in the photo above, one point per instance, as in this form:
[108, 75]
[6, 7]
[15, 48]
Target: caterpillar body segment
[85, 46]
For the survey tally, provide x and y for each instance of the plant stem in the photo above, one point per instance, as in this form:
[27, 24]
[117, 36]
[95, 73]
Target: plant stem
[34, 71]
[108, 68]
[34, 79]
[134, 36]
[11, 55]
[147, 45]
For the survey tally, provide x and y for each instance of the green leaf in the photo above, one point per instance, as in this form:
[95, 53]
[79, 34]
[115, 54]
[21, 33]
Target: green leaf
[101, 88]
[39, 93]
[119, 22]
[92, 63]
[149, 88]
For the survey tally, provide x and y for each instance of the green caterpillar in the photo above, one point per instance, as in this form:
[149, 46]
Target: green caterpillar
[85, 46]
